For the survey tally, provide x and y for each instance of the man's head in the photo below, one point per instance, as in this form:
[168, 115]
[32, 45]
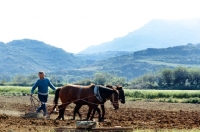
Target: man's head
[41, 74]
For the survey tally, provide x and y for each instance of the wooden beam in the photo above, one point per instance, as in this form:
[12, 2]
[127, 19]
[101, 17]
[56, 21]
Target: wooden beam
[102, 129]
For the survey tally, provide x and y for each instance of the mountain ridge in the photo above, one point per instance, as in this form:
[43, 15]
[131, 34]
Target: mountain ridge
[157, 33]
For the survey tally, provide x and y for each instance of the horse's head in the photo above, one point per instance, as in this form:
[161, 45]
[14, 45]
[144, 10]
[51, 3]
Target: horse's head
[121, 94]
[115, 99]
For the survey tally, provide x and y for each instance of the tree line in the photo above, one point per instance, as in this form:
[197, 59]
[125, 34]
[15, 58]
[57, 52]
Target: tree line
[99, 78]
[174, 78]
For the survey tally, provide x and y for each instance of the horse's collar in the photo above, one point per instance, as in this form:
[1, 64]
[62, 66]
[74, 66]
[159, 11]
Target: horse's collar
[97, 93]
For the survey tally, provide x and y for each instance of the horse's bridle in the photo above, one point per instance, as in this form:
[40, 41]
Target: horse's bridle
[113, 99]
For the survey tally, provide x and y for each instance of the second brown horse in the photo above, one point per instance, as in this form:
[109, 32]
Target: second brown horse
[121, 98]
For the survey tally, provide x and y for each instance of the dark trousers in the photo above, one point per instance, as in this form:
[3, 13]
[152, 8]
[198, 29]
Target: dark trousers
[43, 99]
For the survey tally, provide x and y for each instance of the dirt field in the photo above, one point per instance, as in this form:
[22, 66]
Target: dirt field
[139, 115]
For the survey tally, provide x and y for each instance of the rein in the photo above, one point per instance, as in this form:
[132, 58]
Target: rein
[33, 104]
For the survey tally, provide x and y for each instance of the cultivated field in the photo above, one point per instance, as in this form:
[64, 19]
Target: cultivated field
[142, 115]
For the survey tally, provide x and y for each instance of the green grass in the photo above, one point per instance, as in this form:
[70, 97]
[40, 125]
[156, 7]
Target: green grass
[171, 96]
[18, 90]
[153, 94]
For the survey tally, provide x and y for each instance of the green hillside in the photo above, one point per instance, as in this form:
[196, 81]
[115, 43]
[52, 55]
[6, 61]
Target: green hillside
[149, 60]
[29, 56]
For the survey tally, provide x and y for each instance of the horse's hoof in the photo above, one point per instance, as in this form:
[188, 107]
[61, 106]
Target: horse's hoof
[101, 120]
[72, 119]
[57, 118]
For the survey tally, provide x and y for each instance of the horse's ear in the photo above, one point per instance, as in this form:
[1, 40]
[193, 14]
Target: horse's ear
[119, 87]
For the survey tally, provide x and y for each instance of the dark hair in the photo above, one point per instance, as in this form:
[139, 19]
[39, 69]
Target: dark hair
[40, 72]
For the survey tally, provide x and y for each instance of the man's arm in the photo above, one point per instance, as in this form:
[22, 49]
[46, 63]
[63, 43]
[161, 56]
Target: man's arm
[33, 88]
[51, 85]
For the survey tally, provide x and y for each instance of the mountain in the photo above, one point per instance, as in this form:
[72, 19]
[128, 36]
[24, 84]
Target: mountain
[149, 60]
[29, 56]
[155, 34]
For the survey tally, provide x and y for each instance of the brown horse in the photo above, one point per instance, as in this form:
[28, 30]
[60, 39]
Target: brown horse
[121, 98]
[92, 96]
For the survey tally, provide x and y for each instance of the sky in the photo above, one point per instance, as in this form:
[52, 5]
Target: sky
[76, 24]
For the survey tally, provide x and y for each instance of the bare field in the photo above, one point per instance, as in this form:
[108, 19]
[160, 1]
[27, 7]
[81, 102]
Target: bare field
[138, 114]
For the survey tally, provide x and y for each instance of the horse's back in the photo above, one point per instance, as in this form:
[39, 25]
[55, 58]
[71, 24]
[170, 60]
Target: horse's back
[75, 88]
[74, 92]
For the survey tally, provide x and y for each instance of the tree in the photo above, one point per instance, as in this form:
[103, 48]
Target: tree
[100, 78]
[32, 78]
[117, 81]
[193, 76]
[84, 82]
[20, 80]
[180, 75]
[167, 75]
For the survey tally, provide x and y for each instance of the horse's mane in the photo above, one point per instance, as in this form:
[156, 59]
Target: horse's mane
[109, 86]
[118, 87]
[91, 86]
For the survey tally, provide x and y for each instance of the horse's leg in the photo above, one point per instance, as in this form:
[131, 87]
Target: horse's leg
[53, 109]
[94, 108]
[99, 112]
[76, 110]
[93, 113]
[89, 112]
[103, 112]
[63, 110]
[80, 116]
[60, 112]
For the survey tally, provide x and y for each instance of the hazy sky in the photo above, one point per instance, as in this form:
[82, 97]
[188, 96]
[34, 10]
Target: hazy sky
[76, 24]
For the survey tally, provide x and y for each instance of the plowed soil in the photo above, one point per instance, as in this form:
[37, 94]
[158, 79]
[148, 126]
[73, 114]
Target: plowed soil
[139, 115]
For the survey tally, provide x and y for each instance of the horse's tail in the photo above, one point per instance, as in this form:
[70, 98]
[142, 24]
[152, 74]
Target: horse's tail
[55, 100]
[56, 96]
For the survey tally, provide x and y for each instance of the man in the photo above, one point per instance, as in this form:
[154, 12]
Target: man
[42, 85]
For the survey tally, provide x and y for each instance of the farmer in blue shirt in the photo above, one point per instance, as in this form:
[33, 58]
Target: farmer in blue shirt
[42, 84]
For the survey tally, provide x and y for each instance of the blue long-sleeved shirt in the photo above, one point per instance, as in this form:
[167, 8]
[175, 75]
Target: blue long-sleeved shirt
[42, 85]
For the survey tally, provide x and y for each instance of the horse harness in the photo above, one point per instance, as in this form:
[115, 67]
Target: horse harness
[79, 93]
[97, 94]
